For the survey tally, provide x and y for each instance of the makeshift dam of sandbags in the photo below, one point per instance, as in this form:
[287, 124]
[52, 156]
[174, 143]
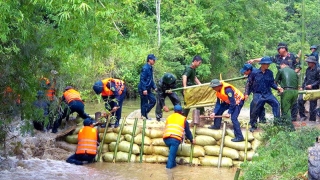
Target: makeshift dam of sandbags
[205, 151]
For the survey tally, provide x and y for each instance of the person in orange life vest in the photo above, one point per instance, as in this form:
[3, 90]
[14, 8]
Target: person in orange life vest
[10, 96]
[231, 99]
[88, 141]
[113, 92]
[48, 87]
[74, 102]
[176, 126]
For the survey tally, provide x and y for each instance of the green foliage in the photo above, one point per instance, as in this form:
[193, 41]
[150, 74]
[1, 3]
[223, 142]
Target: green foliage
[286, 150]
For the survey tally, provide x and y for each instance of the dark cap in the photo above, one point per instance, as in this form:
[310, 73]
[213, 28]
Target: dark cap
[265, 60]
[68, 87]
[177, 108]
[87, 122]
[215, 83]
[282, 45]
[245, 68]
[314, 47]
[151, 56]
[311, 59]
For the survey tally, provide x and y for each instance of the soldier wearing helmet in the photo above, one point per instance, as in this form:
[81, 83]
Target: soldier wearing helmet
[167, 82]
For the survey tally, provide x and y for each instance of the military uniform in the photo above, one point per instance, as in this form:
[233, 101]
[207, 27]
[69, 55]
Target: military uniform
[167, 82]
[261, 84]
[312, 78]
[294, 63]
[288, 80]
[191, 74]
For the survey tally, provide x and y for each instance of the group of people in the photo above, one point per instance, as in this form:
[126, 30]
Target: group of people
[168, 81]
[260, 81]
[229, 98]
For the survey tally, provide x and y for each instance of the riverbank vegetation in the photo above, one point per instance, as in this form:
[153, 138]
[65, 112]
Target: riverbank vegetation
[283, 154]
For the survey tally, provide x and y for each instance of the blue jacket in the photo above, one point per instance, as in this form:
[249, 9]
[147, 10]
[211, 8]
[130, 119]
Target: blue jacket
[146, 78]
[261, 83]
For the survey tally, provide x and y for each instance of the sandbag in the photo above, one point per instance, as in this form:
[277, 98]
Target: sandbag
[127, 130]
[72, 139]
[127, 137]
[226, 152]
[101, 130]
[255, 144]
[138, 140]
[105, 148]
[157, 142]
[204, 140]
[216, 134]
[184, 150]
[124, 146]
[76, 131]
[152, 159]
[110, 137]
[148, 150]
[121, 157]
[235, 145]
[230, 133]
[257, 135]
[250, 154]
[161, 150]
[237, 163]
[153, 133]
[213, 161]
[185, 160]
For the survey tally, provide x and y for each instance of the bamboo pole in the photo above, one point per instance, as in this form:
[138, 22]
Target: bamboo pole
[132, 138]
[246, 143]
[118, 139]
[206, 84]
[192, 145]
[222, 144]
[98, 158]
[142, 140]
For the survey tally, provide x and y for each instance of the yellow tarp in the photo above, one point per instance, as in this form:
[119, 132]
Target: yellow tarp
[311, 95]
[199, 96]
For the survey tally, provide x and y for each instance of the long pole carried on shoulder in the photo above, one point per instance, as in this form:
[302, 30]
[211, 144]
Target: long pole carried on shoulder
[205, 84]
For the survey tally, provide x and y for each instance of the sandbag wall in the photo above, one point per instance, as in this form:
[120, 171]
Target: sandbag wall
[205, 153]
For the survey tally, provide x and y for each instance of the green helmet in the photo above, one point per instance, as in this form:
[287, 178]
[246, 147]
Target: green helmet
[168, 78]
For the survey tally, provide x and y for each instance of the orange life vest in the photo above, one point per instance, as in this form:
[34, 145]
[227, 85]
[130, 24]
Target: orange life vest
[45, 82]
[119, 86]
[71, 95]
[50, 94]
[87, 141]
[175, 125]
[224, 97]
[8, 93]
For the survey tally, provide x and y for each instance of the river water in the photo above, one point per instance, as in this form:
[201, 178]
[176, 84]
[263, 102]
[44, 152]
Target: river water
[52, 165]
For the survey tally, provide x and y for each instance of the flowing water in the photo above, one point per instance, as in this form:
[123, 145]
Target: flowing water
[43, 159]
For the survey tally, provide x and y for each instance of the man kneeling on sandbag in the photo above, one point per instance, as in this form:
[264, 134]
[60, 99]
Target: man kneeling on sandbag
[88, 141]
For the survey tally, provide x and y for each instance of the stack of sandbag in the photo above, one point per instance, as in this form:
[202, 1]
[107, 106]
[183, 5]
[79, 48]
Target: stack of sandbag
[205, 152]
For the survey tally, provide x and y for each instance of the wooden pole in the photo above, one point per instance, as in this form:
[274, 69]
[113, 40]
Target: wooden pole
[192, 145]
[142, 139]
[206, 84]
[132, 138]
[222, 144]
[246, 143]
[98, 158]
[118, 139]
